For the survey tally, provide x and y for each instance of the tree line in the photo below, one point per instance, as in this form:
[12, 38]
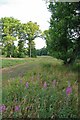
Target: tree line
[13, 30]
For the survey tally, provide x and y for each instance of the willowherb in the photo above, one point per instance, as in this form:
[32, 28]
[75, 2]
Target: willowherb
[68, 90]
[2, 108]
[45, 85]
[27, 85]
[17, 108]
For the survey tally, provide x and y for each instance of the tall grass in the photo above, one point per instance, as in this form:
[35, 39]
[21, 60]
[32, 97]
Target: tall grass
[41, 92]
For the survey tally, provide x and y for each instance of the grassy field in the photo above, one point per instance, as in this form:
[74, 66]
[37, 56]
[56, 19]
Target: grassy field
[40, 88]
[11, 62]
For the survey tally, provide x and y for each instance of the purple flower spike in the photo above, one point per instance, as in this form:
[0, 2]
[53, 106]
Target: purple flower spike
[45, 85]
[16, 108]
[27, 85]
[68, 90]
[20, 81]
[2, 108]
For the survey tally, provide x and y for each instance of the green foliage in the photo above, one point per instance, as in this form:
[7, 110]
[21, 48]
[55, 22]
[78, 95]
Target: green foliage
[15, 52]
[9, 31]
[33, 52]
[31, 31]
[42, 51]
[32, 49]
[62, 38]
[21, 50]
[8, 43]
[13, 30]
[9, 25]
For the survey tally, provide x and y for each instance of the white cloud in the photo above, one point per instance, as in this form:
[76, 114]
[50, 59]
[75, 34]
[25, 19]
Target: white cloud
[27, 10]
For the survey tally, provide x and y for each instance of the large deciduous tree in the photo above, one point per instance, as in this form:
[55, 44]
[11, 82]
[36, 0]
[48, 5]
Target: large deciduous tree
[33, 49]
[29, 32]
[9, 33]
[64, 33]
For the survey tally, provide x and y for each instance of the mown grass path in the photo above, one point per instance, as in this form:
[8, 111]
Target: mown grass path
[17, 70]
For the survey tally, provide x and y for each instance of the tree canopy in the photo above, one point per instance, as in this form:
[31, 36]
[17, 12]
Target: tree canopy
[62, 38]
[13, 30]
[30, 32]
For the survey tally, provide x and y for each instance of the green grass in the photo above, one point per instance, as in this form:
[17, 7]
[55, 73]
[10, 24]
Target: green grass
[8, 62]
[37, 101]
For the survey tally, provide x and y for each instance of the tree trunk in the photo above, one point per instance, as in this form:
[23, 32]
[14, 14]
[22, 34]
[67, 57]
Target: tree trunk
[30, 49]
[10, 55]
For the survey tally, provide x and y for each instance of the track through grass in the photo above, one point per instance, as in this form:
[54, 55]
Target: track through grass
[39, 86]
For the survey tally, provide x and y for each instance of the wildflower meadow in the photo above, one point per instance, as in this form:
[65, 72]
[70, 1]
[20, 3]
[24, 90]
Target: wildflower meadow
[47, 90]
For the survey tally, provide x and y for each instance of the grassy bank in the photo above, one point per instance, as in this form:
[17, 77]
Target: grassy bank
[42, 91]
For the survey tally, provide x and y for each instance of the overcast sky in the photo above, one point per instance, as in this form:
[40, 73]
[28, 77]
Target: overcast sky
[27, 10]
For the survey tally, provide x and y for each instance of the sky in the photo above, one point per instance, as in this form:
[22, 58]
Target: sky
[25, 11]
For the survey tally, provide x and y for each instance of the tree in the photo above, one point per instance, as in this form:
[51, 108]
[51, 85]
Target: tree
[42, 51]
[33, 49]
[9, 33]
[46, 36]
[15, 51]
[29, 32]
[62, 38]
[21, 48]
[10, 26]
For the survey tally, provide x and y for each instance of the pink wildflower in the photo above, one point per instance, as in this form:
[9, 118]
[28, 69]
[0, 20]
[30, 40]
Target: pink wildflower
[2, 108]
[27, 85]
[68, 90]
[45, 85]
[16, 108]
